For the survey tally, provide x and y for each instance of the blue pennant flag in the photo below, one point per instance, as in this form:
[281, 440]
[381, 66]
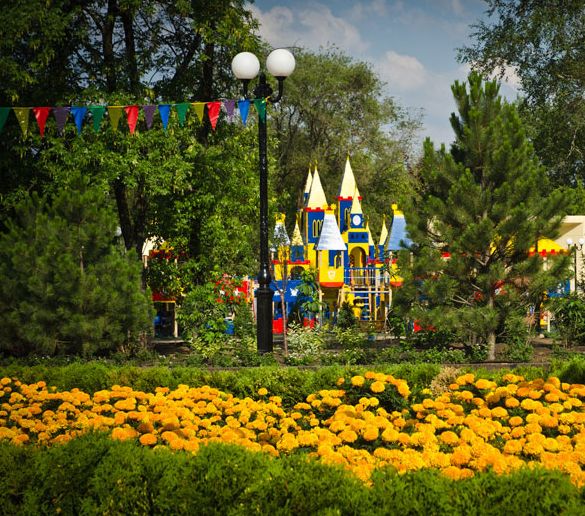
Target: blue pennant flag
[244, 107]
[78, 113]
[165, 111]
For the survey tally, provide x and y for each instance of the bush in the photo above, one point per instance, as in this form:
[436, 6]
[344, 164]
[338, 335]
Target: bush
[569, 317]
[304, 344]
[95, 475]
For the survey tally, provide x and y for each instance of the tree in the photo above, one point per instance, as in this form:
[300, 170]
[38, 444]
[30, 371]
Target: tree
[117, 52]
[334, 105]
[486, 202]
[544, 44]
[67, 287]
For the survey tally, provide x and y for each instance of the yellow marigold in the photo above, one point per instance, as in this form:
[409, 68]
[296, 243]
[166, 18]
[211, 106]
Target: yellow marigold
[5, 381]
[348, 436]
[513, 447]
[499, 412]
[340, 381]
[511, 402]
[450, 438]
[483, 384]
[357, 381]
[262, 391]
[370, 433]
[148, 439]
[377, 387]
[515, 421]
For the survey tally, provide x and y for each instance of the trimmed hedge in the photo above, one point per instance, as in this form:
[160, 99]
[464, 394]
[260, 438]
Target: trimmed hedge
[290, 383]
[95, 475]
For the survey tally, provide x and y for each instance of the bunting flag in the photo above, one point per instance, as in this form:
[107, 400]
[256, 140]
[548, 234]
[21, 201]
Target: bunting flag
[4, 111]
[149, 114]
[199, 109]
[22, 117]
[115, 113]
[229, 106]
[260, 105]
[61, 113]
[41, 114]
[97, 113]
[182, 112]
[78, 113]
[244, 107]
[132, 116]
[165, 111]
[210, 109]
[213, 113]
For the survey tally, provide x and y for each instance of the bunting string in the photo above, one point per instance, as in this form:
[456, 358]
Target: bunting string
[82, 114]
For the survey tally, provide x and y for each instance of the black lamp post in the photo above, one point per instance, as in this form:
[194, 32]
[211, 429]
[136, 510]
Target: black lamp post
[280, 63]
[575, 247]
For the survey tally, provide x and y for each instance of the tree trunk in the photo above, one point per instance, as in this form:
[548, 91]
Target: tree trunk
[491, 345]
[127, 21]
[108, 46]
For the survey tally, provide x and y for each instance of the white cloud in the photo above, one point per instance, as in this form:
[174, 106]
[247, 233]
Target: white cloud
[310, 27]
[363, 10]
[401, 72]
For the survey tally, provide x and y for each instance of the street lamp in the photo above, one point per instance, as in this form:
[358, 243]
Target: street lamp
[280, 63]
[574, 247]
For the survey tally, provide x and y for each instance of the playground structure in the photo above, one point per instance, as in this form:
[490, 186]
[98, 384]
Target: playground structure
[335, 240]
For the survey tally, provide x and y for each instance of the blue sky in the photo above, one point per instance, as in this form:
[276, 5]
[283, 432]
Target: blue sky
[410, 43]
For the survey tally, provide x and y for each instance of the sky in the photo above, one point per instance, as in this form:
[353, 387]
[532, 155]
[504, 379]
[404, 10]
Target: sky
[411, 44]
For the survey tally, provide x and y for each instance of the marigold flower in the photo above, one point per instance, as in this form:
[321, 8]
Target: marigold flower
[357, 381]
[370, 433]
[262, 391]
[377, 387]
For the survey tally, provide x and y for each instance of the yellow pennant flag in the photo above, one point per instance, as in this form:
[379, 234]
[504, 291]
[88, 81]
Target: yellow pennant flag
[22, 117]
[115, 113]
[199, 109]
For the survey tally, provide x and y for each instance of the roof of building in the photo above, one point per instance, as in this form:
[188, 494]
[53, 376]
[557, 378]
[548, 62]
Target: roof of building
[348, 184]
[317, 197]
[384, 233]
[398, 238]
[297, 239]
[330, 238]
[308, 182]
[280, 237]
[356, 205]
[370, 239]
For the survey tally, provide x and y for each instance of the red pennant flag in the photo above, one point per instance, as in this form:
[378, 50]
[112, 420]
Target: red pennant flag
[41, 114]
[213, 112]
[132, 114]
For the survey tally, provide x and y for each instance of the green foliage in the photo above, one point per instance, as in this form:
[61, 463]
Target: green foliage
[346, 319]
[304, 344]
[244, 325]
[309, 292]
[486, 202]
[95, 475]
[516, 335]
[542, 43]
[569, 318]
[67, 287]
[380, 131]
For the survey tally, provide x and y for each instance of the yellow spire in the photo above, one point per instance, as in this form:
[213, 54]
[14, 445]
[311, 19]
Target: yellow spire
[384, 233]
[316, 196]
[297, 239]
[395, 210]
[356, 205]
[348, 185]
[309, 181]
[370, 239]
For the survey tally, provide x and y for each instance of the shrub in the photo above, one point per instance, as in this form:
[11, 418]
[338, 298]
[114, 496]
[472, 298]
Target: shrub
[569, 317]
[304, 344]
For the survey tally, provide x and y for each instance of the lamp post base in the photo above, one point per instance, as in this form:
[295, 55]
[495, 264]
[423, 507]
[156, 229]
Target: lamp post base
[264, 296]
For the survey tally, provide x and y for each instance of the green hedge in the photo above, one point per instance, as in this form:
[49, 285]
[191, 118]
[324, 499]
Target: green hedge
[95, 475]
[291, 383]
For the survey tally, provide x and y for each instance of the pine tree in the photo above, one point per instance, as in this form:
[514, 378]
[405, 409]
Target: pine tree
[67, 287]
[485, 203]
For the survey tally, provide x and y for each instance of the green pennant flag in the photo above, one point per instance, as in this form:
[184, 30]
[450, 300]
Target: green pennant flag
[199, 109]
[182, 112]
[22, 117]
[260, 105]
[97, 113]
[4, 111]
[115, 113]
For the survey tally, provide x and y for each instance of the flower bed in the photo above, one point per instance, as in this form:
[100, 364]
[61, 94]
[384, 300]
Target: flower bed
[363, 423]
